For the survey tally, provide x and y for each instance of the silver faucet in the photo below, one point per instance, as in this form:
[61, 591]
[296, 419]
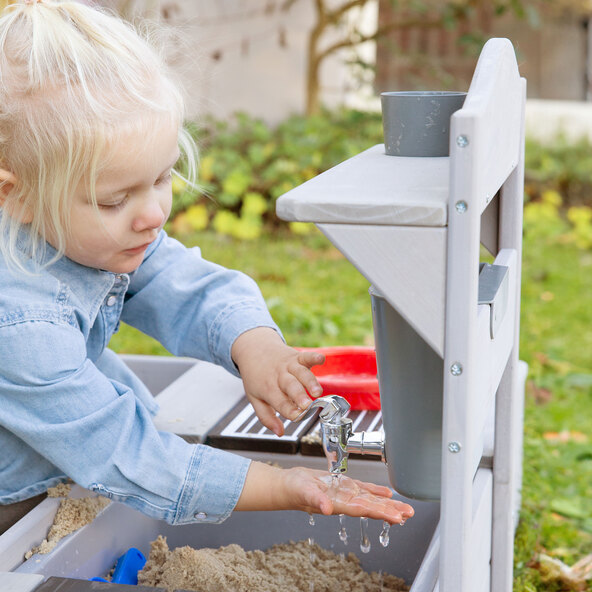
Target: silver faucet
[337, 433]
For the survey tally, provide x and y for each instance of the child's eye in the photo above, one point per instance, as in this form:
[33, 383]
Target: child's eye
[164, 179]
[112, 207]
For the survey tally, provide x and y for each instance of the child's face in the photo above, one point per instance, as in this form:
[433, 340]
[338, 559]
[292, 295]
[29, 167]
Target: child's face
[134, 196]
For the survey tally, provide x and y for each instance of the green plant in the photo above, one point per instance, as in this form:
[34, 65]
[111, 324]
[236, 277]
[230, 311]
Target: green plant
[246, 165]
[561, 165]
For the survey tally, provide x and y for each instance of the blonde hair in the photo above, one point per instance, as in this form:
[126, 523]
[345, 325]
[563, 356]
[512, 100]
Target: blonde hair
[72, 80]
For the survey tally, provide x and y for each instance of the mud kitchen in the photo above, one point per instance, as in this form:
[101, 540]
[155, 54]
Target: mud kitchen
[433, 220]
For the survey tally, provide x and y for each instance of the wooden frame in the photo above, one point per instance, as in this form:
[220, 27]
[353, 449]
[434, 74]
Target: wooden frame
[487, 155]
[413, 227]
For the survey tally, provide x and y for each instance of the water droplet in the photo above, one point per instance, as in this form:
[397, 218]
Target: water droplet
[402, 522]
[311, 520]
[342, 531]
[311, 553]
[384, 534]
[365, 544]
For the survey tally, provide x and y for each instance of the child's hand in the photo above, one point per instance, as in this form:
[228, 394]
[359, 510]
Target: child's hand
[270, 488]
[276, 376]
[319, 493]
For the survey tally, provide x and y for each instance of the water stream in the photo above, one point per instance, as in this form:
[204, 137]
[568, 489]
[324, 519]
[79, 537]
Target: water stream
[384, 534]
[342, 531]
[365, 544]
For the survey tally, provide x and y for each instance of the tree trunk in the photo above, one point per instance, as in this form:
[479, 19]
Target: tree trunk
[313, 66]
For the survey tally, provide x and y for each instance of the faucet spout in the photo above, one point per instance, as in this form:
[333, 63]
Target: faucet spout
[337, 433]
[335, 437]
[336, 429]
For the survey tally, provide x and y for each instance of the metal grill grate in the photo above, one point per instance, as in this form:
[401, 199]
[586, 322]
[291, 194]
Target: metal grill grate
[241, 429]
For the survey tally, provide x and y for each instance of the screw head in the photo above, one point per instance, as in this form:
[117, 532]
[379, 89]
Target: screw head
[456, 369]
[462, 141]
[461, 206]
[454, 447]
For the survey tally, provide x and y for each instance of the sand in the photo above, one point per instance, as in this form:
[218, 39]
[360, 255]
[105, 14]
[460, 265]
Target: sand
[286, 567]
[72, 514]
[60, 490]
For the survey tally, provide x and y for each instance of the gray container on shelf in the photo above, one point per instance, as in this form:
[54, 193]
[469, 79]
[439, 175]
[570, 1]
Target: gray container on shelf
[410, 376]
[417, 123]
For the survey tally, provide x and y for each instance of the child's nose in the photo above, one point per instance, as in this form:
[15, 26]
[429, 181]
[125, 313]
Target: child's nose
[151, 216]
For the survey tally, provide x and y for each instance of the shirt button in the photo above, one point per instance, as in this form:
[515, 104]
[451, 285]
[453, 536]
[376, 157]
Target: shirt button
[200, 515]
[118, 277]
[111, 300]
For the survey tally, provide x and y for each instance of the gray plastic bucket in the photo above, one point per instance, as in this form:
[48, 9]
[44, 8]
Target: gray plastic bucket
[410, 376]
[417, 123]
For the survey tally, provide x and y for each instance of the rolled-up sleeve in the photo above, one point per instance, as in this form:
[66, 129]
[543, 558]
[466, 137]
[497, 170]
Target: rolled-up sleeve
[192, 306]
[98, 433]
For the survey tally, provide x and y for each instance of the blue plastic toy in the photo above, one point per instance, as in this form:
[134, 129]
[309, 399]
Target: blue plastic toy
[127, 568]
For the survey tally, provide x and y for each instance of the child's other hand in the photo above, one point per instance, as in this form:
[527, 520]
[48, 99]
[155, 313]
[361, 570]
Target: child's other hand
[309, 490]
[321, 494]
[276, 376]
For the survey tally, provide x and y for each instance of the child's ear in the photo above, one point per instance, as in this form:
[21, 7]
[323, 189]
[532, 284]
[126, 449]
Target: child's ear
[7, 183]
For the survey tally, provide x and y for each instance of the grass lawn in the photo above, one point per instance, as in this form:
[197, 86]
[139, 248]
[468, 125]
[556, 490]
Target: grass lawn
[318, 298]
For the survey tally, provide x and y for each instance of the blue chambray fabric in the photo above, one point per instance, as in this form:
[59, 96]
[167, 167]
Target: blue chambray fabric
[69, 407]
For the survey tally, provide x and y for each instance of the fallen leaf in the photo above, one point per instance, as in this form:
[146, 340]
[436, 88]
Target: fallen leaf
[554, 570]
[583, 568]
[565, 436]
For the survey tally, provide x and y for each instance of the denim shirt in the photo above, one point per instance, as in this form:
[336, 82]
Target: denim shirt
[69, 407]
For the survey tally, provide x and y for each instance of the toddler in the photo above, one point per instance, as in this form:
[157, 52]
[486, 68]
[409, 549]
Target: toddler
[90, 132]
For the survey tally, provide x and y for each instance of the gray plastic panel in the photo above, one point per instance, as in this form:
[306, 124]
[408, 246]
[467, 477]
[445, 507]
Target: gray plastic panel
[157, 372]
[13, 582]
[68, 585]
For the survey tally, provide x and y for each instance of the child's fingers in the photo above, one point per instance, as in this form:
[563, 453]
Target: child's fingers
[281, 402]
[405, 509]
[316, 500]
[385, 492]
[363, 507]
[392, 510]
[294, 390]
[375, 489]
[310, 359]
[267, 416]
[307, 379]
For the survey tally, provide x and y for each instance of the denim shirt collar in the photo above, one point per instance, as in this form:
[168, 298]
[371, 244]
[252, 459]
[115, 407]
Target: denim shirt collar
[90, 286]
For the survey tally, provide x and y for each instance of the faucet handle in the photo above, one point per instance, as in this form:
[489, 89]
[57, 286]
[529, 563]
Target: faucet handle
[332, 407]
